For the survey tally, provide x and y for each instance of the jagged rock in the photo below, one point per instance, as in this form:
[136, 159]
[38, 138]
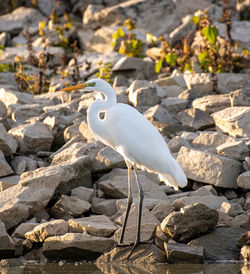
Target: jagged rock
[85, 132]
[182, 253]
[47, 6]
[245, 253]
[209, 168]
[68, 206]
[234, 121]
[178, 226]
[8, 181]
[134, 9]
[23, 228]
[204, 191]
[100, 226]
[247, 201]
[159, 114]
[212, 103]
[81, 246]
[201, 82]
[21, 164]
[235, 150]
[230, 194]
[7, 249]
[83, 193]
[8, 144]
[240, 32]
[209, 140]
[35, 190]
[195, 118]
[220, 244]
[231, 209]
[32, 138]
[5, 169]
[170, 91]
[24, 112]
[162, 210]
[106, 207]
[244, 239]
[144, 254]
[43, 231]
[173, 104]
[11, 97]
[176, 143]
[118, 188]
[240, 97]
[246, 164]
[243, 180]
[20, 18]
[172, 80]
[3, 109]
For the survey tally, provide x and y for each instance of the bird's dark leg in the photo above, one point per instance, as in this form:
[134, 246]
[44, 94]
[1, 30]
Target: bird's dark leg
[129, 202]
[140, 192]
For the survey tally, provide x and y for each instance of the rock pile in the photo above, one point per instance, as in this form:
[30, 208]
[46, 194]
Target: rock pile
[63, 195]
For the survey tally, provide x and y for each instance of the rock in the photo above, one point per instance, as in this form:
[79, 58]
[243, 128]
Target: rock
[8, 144]
[5, 169]
[10, 97]
[81, 246]
[234, 121]
[35, 190]
[23, 228]
[106, 159]
[7, 246]
[247, 201]
[230, 194]
[159, 114]
[149, 203]
[240, 32]
[144, 254]
[4, 39]
[173, 104]
[100, 226]
[246, 164]
[209, 140]
[176, 143]
[47, 6]
[106, 207]
[24, 112]
[241, 220]
[195, 118]
[32, 138]
[20, 18]
[9, 181]
[133, 66]
[184, 254]
[244, 239]
[212, 103]
[172, 80]
[201, 82]
[134, 10]
[212, 201]
[120, 81]
[162, 210]
[220, 244]
[235, 150]
[170, 91]
[43, 231]
[209, 168]
[118, 188]
[86, 132]
[83, 193]
[177, 225]
[21, 164]
[3, 109]
[243, 180]
[245, 253]
[240, 97]
[204, 191]
[68, 206]
[13, 263]
[231, 209]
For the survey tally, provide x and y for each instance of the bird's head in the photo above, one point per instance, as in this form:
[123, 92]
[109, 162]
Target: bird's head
[91, 85]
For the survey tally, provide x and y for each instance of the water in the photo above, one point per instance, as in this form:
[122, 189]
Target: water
[90, 268]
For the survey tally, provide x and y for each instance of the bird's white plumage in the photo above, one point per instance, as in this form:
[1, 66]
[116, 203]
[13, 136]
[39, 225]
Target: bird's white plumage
[128, 132]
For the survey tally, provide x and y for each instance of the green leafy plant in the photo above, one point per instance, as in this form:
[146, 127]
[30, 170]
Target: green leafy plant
[104, 71]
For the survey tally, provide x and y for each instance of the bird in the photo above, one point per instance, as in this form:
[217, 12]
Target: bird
[127, 131]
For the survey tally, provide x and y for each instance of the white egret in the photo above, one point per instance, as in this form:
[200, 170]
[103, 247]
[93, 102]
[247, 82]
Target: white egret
[128, 132]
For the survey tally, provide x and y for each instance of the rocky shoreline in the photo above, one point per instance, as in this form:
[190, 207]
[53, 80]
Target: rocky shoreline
[63, 194]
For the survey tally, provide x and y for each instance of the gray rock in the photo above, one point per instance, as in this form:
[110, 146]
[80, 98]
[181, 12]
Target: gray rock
[247, 202]
[21, 164]
[25, 112]
[172, 80]
[82, 246]
[244, 180]
[7, 249]
[234, 121]
[68, 206]
[83, 193]
[3, 109]
[8, 144]
[143, 256]
[212, 103]
[240, 97]
[12, 97]
[4, 39]
[173, 104]
[244, 239]
[170, 91]
[118, 188]
[231, 209]
[5, 169]
[195, 118]
[32, 138]
[176, 143]
[178, 226]
[204, 191]
[20, 18]
[105, 207]
[100, 226]
[162, 210]
[235, 150]
[246, 164]
[8, 181]
[209, 168]
[201, 82]
[159, 114]
[46, 7]
[240, 32]
[220, 244]
[184, 254]
[22, 229]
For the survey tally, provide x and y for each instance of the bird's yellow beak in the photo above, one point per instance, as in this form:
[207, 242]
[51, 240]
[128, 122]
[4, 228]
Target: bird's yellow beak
[79, 86]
